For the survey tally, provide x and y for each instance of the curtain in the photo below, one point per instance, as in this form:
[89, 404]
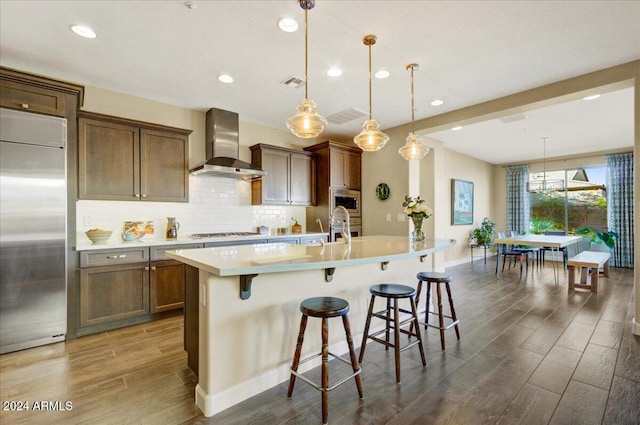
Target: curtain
[518, 198]
[620, 206]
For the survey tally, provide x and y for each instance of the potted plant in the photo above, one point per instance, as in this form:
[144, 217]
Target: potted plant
[598, 238]
[483, 235]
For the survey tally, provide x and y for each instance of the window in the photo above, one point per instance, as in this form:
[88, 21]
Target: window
[581, 201]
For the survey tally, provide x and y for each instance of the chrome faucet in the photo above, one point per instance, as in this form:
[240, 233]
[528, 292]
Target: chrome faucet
[321, 231]
[346, 225]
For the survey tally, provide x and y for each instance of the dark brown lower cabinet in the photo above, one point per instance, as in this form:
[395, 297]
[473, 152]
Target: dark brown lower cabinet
[167, 285]
[112, 293]
[117, 295]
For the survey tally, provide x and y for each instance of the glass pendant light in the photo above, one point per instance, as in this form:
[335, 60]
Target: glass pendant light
[306, 123]
[370, 138]
[413, 149]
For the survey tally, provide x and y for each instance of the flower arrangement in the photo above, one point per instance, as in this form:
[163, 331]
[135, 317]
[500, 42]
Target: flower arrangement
[418, 211]
[415, 207]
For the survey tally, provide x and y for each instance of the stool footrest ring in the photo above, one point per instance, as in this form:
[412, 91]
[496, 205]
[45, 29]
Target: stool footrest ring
[318, 387]
[453, 322]
[389, 344]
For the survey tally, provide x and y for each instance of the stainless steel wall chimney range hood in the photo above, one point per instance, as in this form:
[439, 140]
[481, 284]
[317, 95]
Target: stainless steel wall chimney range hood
[223, 148]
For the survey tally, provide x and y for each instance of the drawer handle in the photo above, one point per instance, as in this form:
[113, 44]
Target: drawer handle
[25, 105]
[136, 195]
[116, 257]
[153, 268]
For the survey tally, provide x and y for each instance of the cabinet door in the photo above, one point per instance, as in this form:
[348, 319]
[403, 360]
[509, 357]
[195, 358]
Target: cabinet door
[167, 285]
[113, 293]
[301, 180]
[109, 157]
[32, 98]
[337, 167]
[352, 170]
[275, 185]
[164, 166]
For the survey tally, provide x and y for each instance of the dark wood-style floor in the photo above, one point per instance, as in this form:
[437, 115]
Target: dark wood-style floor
[530, 354]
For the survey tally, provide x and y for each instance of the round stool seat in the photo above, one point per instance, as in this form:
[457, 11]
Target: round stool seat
[434, 277]
[392, 290]
[324, 307]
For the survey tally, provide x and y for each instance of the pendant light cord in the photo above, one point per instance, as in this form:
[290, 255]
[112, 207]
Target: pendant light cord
[544, 162]
[413, 130]
[370, 113]
[306, 59]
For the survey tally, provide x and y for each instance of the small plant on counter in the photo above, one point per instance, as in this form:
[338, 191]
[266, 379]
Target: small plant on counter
[483, 235]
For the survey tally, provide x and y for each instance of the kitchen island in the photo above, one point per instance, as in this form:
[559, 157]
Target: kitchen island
[248, 305]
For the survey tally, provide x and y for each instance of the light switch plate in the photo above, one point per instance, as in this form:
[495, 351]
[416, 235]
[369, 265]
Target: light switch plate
[400, 217]
[203, 295]
[388, 216]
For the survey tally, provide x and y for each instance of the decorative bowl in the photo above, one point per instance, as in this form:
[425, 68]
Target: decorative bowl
[98, 236]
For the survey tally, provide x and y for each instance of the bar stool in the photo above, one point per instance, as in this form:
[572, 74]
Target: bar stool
[393, 293]
[324, 308]
[438, 278]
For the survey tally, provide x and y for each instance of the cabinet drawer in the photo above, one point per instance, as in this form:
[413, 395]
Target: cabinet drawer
[114, 256]
[31, 98]
[312, 240]
[292, 241]
[234, 243]
[160, 252]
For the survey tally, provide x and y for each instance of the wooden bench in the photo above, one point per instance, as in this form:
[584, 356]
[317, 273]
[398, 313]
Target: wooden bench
[590, 262]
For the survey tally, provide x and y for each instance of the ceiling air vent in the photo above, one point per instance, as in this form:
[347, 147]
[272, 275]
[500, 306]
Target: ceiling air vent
[293, 82]
[346, 116]
[514, 118]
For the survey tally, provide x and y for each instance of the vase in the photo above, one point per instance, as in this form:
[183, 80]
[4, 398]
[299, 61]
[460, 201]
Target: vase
[417, 234]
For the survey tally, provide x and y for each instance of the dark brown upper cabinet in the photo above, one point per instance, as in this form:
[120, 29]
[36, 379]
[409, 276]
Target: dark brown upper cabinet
[338, 165]
[128, 160]
[289, 179]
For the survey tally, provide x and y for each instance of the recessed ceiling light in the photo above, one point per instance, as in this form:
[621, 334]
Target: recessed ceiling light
[288, 24]
[381, 74]
[224, 78]
[334, 72]
[456, 128]
[437, 102]
[83, 31]
[594, 96]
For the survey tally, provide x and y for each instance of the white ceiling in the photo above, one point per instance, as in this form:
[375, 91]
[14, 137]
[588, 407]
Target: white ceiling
[468, 52]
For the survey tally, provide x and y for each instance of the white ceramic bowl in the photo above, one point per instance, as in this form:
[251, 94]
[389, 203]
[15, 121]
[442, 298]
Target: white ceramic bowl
[98, 237]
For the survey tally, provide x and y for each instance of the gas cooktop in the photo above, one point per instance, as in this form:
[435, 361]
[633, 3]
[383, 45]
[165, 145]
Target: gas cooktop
[221, 234]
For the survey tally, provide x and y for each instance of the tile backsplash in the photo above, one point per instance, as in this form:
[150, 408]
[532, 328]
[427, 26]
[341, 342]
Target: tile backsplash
[216, 204]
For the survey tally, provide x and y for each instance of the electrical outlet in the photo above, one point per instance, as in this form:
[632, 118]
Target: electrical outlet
[87, 220]
[400, 217]
[388, 216]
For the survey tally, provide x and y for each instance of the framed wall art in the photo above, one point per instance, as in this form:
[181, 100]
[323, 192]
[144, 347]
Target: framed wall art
[461, 202]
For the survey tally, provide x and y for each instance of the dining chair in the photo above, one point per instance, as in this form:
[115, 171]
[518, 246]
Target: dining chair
[563, 249]
[525, 253]
[506, 251]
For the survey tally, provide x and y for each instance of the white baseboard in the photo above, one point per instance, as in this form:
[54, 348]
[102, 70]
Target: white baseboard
[210, 404]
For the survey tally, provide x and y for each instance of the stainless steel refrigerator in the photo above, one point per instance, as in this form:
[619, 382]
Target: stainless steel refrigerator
[33, 302]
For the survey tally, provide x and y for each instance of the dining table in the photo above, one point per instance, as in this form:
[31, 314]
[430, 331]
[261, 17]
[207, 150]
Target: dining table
[555, 242]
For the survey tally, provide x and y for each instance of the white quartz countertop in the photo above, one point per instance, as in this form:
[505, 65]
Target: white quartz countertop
[115, 242]
[280, 257]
